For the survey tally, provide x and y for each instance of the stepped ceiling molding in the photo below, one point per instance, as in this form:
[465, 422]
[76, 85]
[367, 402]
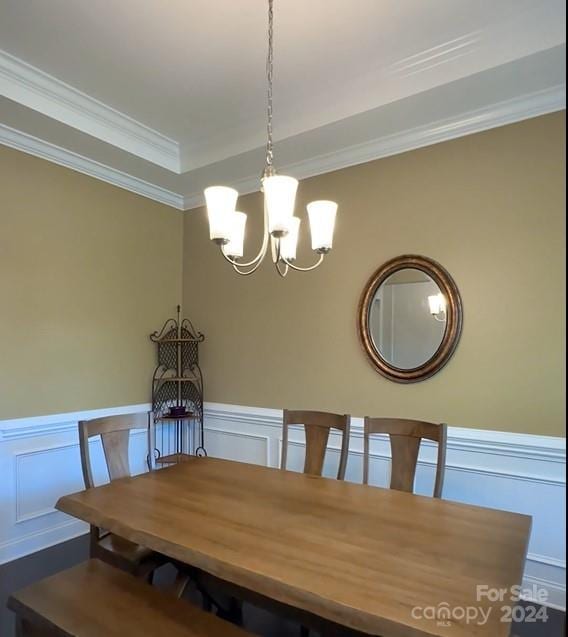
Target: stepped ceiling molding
[164, 99]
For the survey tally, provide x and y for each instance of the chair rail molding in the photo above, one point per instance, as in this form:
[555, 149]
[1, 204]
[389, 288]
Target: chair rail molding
[39, 461]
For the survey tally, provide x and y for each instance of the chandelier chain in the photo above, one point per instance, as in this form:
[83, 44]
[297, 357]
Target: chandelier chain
[269, 77]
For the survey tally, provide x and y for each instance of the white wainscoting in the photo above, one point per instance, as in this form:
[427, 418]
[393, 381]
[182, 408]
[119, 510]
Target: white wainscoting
[39, 462]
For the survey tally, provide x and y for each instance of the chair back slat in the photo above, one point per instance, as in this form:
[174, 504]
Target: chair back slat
[404, 458]
[405, 437]
[317, 426]
[115, 447]
[316, 444]
[115, 437]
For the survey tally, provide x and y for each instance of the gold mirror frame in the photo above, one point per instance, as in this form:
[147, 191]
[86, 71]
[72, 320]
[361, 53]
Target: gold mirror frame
[454, 318]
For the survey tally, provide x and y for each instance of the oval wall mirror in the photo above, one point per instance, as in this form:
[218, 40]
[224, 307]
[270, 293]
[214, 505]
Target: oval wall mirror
[410, 318]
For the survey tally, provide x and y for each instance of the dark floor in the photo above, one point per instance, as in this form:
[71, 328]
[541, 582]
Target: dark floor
[26, 570]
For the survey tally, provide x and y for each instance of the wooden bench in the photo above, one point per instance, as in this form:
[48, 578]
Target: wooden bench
[94, 599]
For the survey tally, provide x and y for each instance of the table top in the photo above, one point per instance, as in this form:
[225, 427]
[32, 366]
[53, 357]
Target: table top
[377, 560]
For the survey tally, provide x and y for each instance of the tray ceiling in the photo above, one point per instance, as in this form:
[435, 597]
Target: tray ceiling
[173, 93]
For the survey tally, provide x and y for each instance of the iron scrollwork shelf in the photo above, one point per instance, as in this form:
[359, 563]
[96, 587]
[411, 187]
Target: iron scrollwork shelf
[177, 392]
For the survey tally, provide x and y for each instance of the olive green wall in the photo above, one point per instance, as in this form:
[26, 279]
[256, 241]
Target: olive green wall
[489, 207]
[87, 271]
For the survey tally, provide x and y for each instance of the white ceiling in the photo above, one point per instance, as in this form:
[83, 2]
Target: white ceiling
[180, 84]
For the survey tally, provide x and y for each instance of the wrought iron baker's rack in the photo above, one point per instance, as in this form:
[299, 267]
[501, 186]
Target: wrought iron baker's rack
[177, 392]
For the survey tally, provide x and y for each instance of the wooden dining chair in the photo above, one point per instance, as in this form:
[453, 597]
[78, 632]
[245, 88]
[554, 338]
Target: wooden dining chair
[405, 437]
[115, 436]
[317, 425]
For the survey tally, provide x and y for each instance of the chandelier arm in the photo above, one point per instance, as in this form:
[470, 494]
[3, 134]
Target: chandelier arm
[300, 269]
[242, 272]
[277, 260]
[261, 253]
[253, 262]
[282, 273]
[238, 267]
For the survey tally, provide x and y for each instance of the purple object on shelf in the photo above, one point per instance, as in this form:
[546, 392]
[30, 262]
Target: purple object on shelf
[177, 411]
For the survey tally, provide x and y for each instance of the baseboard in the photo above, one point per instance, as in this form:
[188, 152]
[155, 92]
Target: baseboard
[40, 540]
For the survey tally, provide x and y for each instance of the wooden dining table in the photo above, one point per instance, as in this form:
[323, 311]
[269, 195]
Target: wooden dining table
[376, 560]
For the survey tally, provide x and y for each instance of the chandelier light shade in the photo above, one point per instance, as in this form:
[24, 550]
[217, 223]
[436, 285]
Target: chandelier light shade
[235, 247]
[221, 202]
[289, 242]
[280, 197]
[281, 228]
[322, 222]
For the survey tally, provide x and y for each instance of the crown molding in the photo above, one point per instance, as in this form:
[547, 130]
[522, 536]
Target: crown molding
[44, 93]
[39, 148]
[492, 116]
[474, 121]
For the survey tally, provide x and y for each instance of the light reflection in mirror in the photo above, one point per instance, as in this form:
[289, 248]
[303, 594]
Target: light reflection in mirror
[407, 318]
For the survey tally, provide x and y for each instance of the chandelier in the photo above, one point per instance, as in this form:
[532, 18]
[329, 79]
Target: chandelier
[281, 228]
